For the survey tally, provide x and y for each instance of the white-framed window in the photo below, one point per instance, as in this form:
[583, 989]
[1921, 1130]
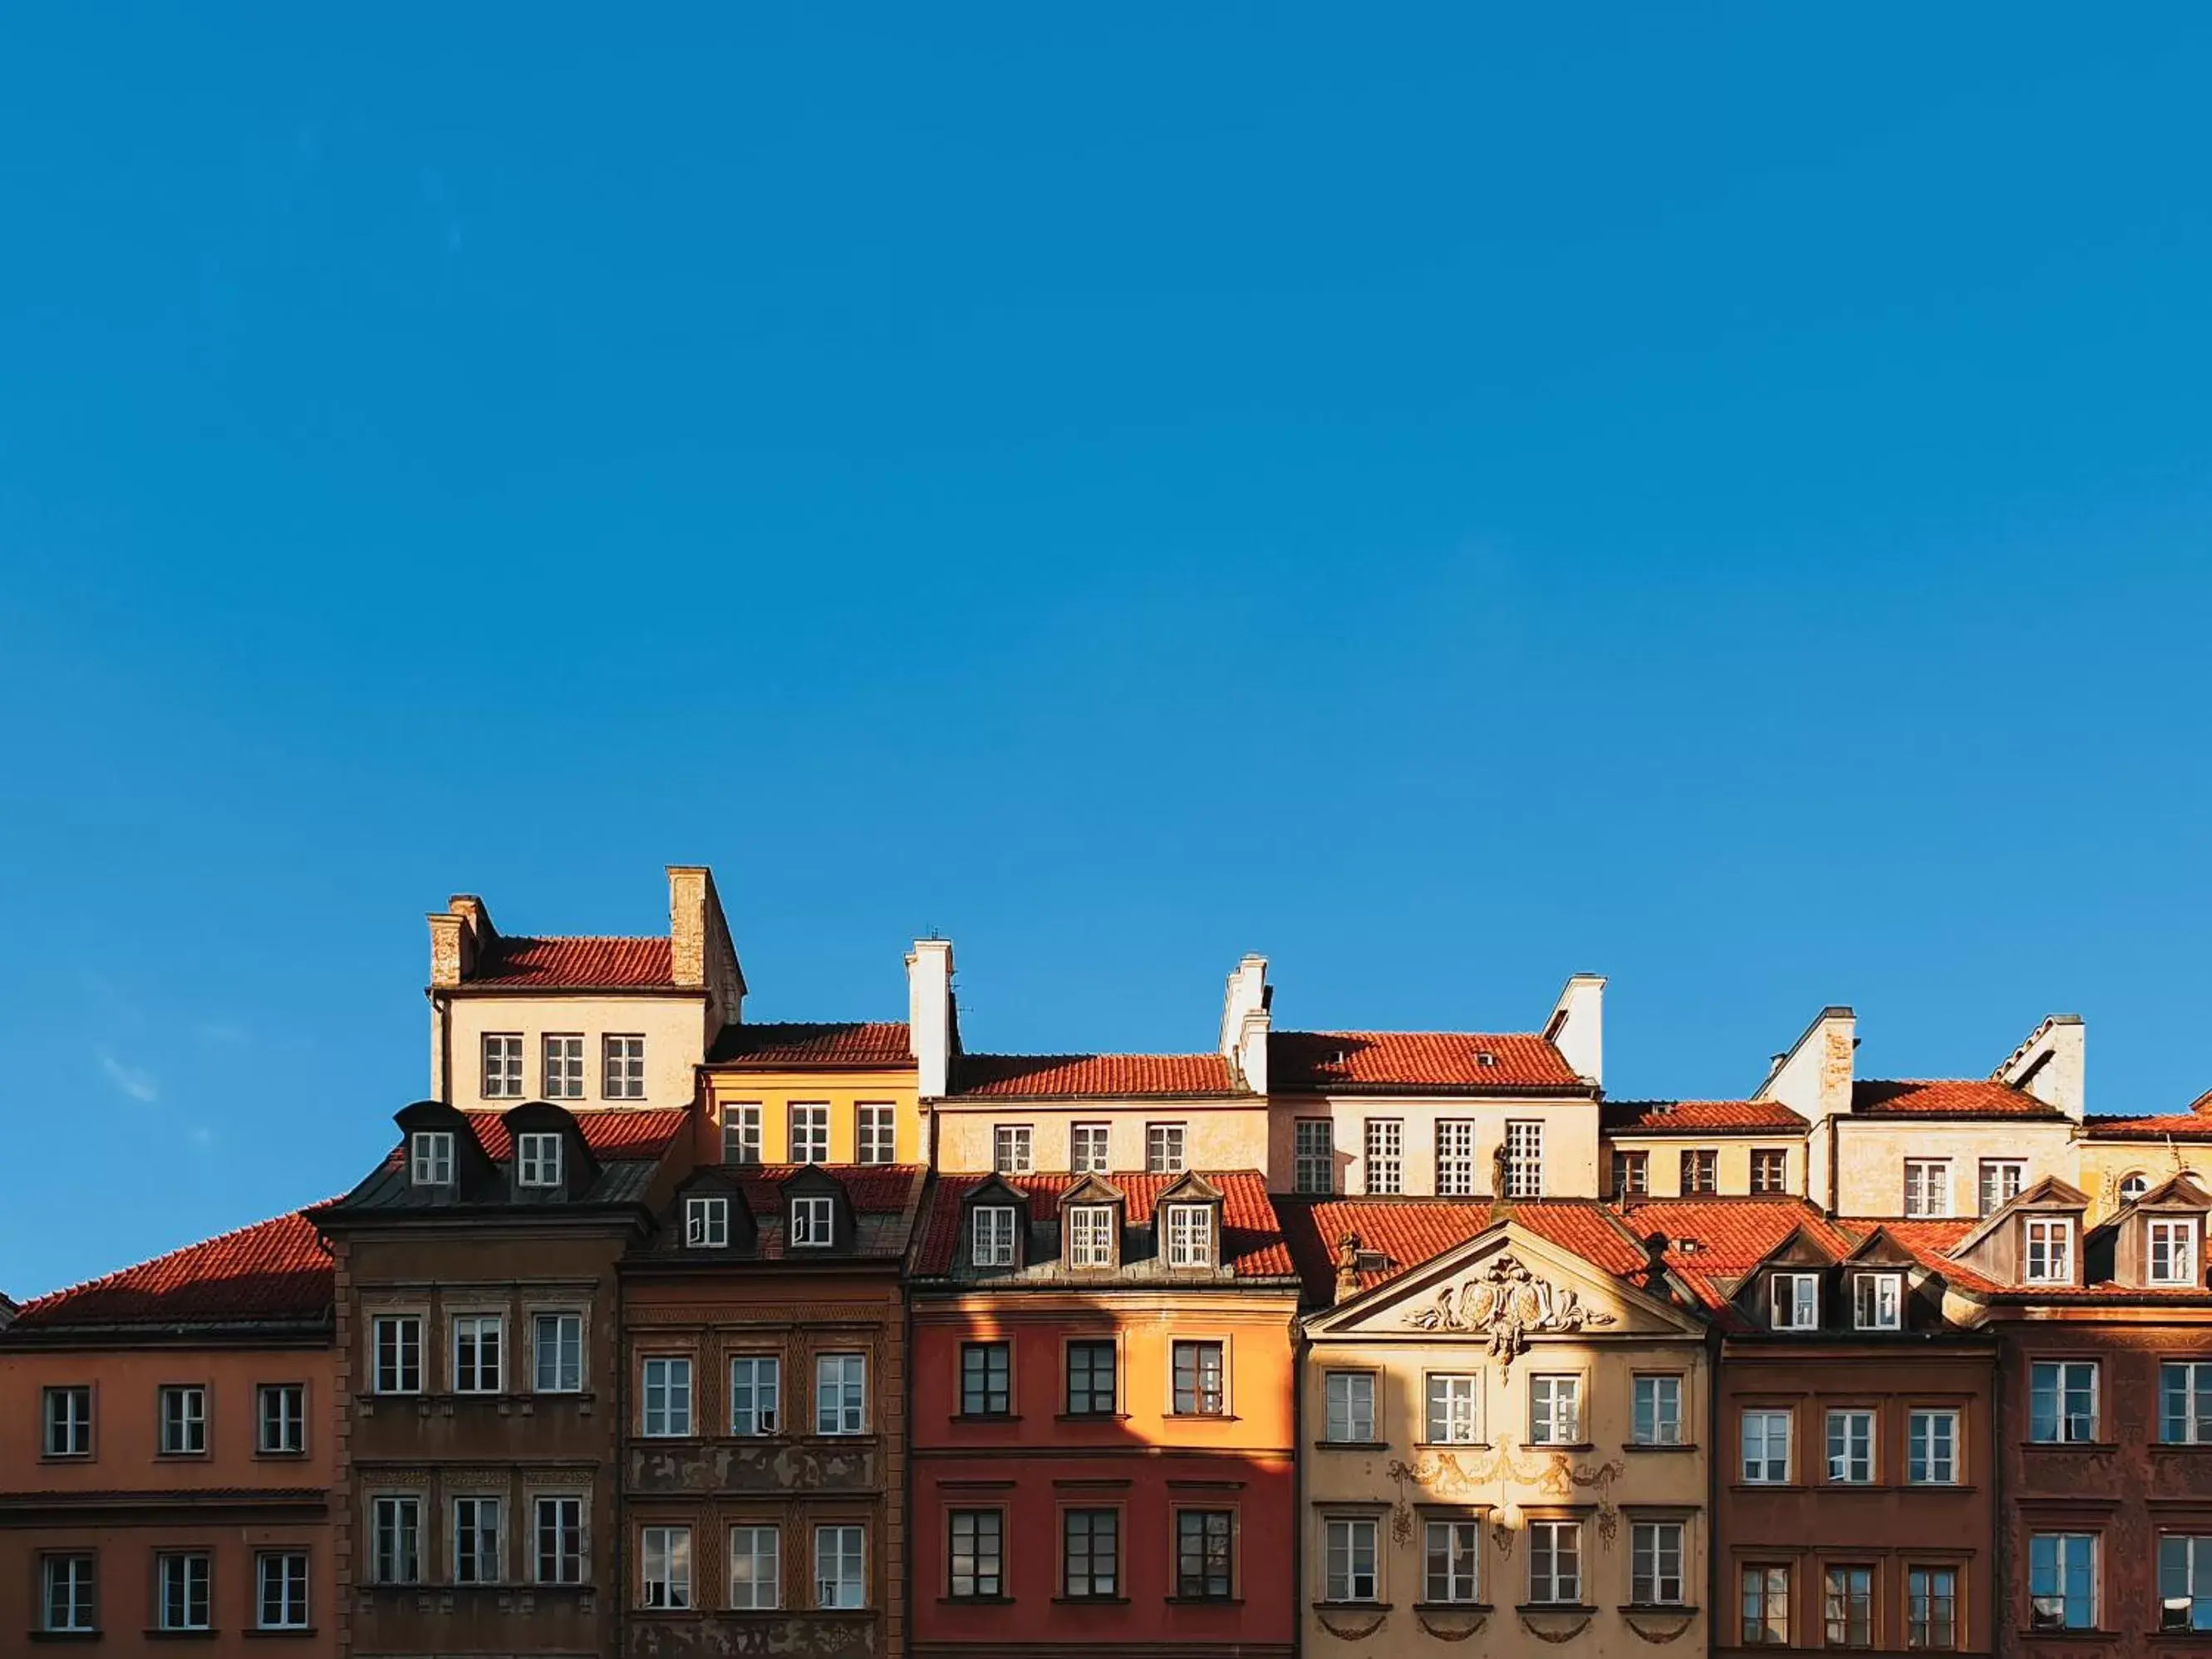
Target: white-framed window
[2062, 1401]
[1349, 1549]
[2185, 1395]
[1654, 1555]
[1456, 1157]
[1769, 1170]
[1555, 1411]
[181, 1583]
[741, 1132]
[1927, 1186]
[1163, 1148]
[1091, 1235]
[1313, 1155]
[1631, 1175]
[477, 1354]
[503, 1066]
[813, 1223]
[1701, 1171]
[538, 1160]
[1349, 1406]
[68, 1421]
[1455, 1415]
[1999, 1183]
[622, 1066]
[809, 1132]
[841, 1567]
[755, 1395]
[396, 1364]
[1087, 1148]
[2050, 1250]
[279, 1589]
[1766, 1449]
[664, 1568]
[1190, 1235]
[2173, 1252]
[430, 1157]
[2062, 1581]
[1796, 1302]
[707, 1222]
[1555, 1562]
[2184, 1582]
[560, 1064]
[1658, 1410]
[1452, 1561]
[875, 1131]
[280, 1418]
[556, 1555]
[667, 1400]
[2133, 1186]
[68, 1596]
[994, 1229]
[557, 1341]
[1386, 1155]
[1524, 1158]
[1010, 1148]
[477, 1540]
[183, 1420]
[1878, 1301]
[1931, 1448]
[840, 1394]
[1850, 1447]
[395, 1539]
[756, 1568]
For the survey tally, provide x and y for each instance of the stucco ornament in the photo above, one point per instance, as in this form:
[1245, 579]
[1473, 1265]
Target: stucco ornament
[1504, 1302]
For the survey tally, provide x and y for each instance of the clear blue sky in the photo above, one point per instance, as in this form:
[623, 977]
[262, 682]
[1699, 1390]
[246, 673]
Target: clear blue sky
[1719, 499]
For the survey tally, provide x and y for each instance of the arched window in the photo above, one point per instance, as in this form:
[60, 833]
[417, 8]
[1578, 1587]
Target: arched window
[2133, 1186]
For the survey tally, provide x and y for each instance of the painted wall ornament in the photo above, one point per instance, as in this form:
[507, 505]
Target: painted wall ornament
[1504, 1302]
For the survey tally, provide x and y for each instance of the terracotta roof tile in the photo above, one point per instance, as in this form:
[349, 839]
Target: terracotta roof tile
[1406, 1232]
[1118, 1076]
[1407, 1062]
[274, 1270]
[1726, 1238]
[1946, 1097]
[878, 1043]
[610, 1133]
[2178, 1126]
[1252, 1239]
[1686, 1117]
[575, 963]
[874, 1188]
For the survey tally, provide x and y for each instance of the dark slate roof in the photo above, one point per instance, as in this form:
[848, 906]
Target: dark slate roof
[627, 1146]
[885, 1199]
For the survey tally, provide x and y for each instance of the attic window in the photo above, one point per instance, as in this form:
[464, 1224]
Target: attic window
[707, 1224]
[1190, 1235]
[2173, 1252]
[538, 1160]
[1877, 1301]
[1091, 1235]
[1796, 1302]
[813, 1223]
[2133, 1186]
[993, 1245]
[1484, 1057]
[2050, 1251]
[430, 1157]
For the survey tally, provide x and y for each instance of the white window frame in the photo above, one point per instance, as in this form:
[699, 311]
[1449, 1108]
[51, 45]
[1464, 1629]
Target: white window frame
[840, 1394]
[761, 1392]
[1631, 1173]
[69, 1420]
[1089, 1148]
[1931, 1446]
[1456, 1161]
[2133, 1185]
[565, 1352]
[1190, 1235]
[1997, 1181]
[1166, 1148]
[288, 1421]
[665, 1397]
[1798, 1295]
[1700, 1171]
[1351, 1559]
[2048, 1242]
[2179, 1238]
[1313, 1155]
[1757, 1428]
[664, 1562]
[471, 1372]
[741, 1134]
[752, 1535]
[430, 1157]
[813, 1222]
[992, 1242]
[707, 1222]
[572, 1541]
[2064, 1386]
[184, 1426]
[1550, 1582]
[1383, 1169]
[1878, 1301]
[2192, 1380]
[81, 1597]
[1091, 1235]
[1927, 1187]
[1348, 1408]
[2059, 1540]
[538, 1160]
[1555, 1409]
[1649, 1545]
[483, 1522]
[407, 1330]
[502, 1053]
[807, 1130]
[875, 1131]
[840, 1566]
[622, 1066]
[1854, 1464]
[395, 1538]
[561, 1065]
[290, 1600]
[1524, 1158]
[1454, 1413]
[1014, 1149]
[193, 1572]
[1665, 1392]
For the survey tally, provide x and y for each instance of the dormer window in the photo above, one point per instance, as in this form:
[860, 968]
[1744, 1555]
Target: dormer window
[994, 1245]
[430, 1157]
[1878, 1301]
[1091, 1235]
[813, 1223]
[707, 1224]
[1190, 1235]
[538, 1160]
[1796, 1302]
[2049, 1256]
[2173, 1252]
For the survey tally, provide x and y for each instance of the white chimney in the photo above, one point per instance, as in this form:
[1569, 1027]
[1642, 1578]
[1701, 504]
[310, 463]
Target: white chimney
[929, 1014]
[2050, 1065]
[1814, 1077]
[1577, 1027]
[1244, 1022]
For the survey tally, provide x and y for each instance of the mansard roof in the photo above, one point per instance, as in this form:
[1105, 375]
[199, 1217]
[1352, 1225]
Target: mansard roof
[883, 1043]
[1419, 1063]
[626, 1145]
[573, 962]
[1699, 1117]
[1251, 1242]
[885, 1200]
[1949, 1098]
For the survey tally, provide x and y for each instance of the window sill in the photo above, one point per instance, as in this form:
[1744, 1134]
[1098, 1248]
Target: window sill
[1203, 1417]
[1660, 1609]
[986, 1417]
[1351, 1607]
[180, 1457]
[1092, 1417]
[66, 1635]
[1452, 1445]
[2069, 1445]
[277, 1633]
[1453, 1606]
[65, 1457]
[1658, 1445]
[1778, 1486]
[1204, 1600]
[1561, 1446]
[1557, 1606]
[2070, 1634]
[974, 1600]
[159, 1635]
[1091, 1601]
[1352, 1445]
[299, 1456]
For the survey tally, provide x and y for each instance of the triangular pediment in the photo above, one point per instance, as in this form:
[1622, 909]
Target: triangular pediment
[2049, 1195]
[1191, 1187]
[1802, 1249]
[1092, 1190]
[1879, 1250]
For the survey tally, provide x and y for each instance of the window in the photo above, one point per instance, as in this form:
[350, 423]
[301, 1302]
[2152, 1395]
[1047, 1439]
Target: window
[621, 1068]
[1204, 1558]
[665, 1560]
[2002, 1178]
[839, 1567]
[994, 1240]
[1386, 1160]
[281, 1418]
[985, 1379]
[1555, 1416]
[1766, 1448]
[2133, 1186]
[1769, 1170]
[1350, 1407]
[1163, 1148]
[707, 1223]
[1190, 1235]
[2184, 1390]
[1878, 1301]
[875, 1132]
[1931, 1448]
[183, 1420]
[756, 1385]
[538, 1160]
[503, 1066]
[69, 1593]
[1313, 1163]
[1454, 1419]
[398, 1358]
[756, 1568]
[559, 1344]
[181, 1591]
[1700, 1172]
[2173, 1252]
[395, 1532]
[1927, 1186]
[1086, 1149]
[2185, 1582]
[1010, 1148]
[68, 1422]
[1348, 1552]
[1850, 1607]
[430, 1157]
[2062, 1581]
[667, 1397]
[813, 1223]
[1456, 1157]
[1850, 1447]
[1090, 1390]
[1091, 1552]
[741, 1133]
[1655, 1563]
[1524, 1158]
[1555, 1561]
[279, 1589]
[1198, 1379]
[810, 1132]
[2062, 1401]
[1931, 1607]
[841, 1400]
[476, 1541]
[978, 1554]
[1451, 1558]
[1658, 1402]
[1631, 1175]
[562, 1056]
[1091, 1235]
[2050, 1251]
[1796, 1302]
[1766, 1606]
[476, 1353]
[560, 1530]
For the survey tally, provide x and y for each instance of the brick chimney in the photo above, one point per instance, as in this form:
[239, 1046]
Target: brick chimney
[460, 935]
[1244, 1023]
[2050, 1065]
[932, 1023]
[1577, 1027]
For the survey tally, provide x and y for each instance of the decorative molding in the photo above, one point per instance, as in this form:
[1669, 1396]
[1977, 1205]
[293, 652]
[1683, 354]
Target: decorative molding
[1506, 1302]
[1554, 1474]
[1381, 1619]
[1480, 1620]
[1655, 1637]
[1582, 1625]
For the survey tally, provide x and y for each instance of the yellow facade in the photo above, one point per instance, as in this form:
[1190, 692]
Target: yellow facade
[1215, 1136]
[1663, 1161]
[1871, 1154]
[2103, 1165]
[770, 1095]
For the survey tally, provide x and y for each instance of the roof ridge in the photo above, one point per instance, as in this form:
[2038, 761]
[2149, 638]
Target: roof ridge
[625, 939]
[299, 1214]
[1377, 1030]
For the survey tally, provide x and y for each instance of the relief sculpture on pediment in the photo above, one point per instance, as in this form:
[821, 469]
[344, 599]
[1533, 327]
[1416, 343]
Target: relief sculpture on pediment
[1506, 1302]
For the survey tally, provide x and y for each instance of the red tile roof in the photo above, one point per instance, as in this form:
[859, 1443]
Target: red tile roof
[1413, 1062]
[1116, 1076]
[575, 963]
[1728, 1236]
[2178, 1126]
[879, 1042]
[1406, 1232]
[614, 1132]
[1686, 1117]
[1946, 1097]
[1252, 1239]
[275, 1270]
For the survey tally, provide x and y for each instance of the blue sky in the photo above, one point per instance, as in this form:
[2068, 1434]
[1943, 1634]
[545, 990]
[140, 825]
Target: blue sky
[1720, 500]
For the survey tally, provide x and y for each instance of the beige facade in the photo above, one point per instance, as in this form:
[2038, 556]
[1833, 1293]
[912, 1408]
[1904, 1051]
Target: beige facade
[1364, 1127]
[1216, 1135]
[1730, 1158]
[1871, 1154]
[671, 1028]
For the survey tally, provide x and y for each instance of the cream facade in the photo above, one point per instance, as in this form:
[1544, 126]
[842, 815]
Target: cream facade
[1213, 1135]
[1732, 1160]
[1411, 1145]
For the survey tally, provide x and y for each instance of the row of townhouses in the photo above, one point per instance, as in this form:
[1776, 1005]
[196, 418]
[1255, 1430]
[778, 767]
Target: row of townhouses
[663, 1333]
